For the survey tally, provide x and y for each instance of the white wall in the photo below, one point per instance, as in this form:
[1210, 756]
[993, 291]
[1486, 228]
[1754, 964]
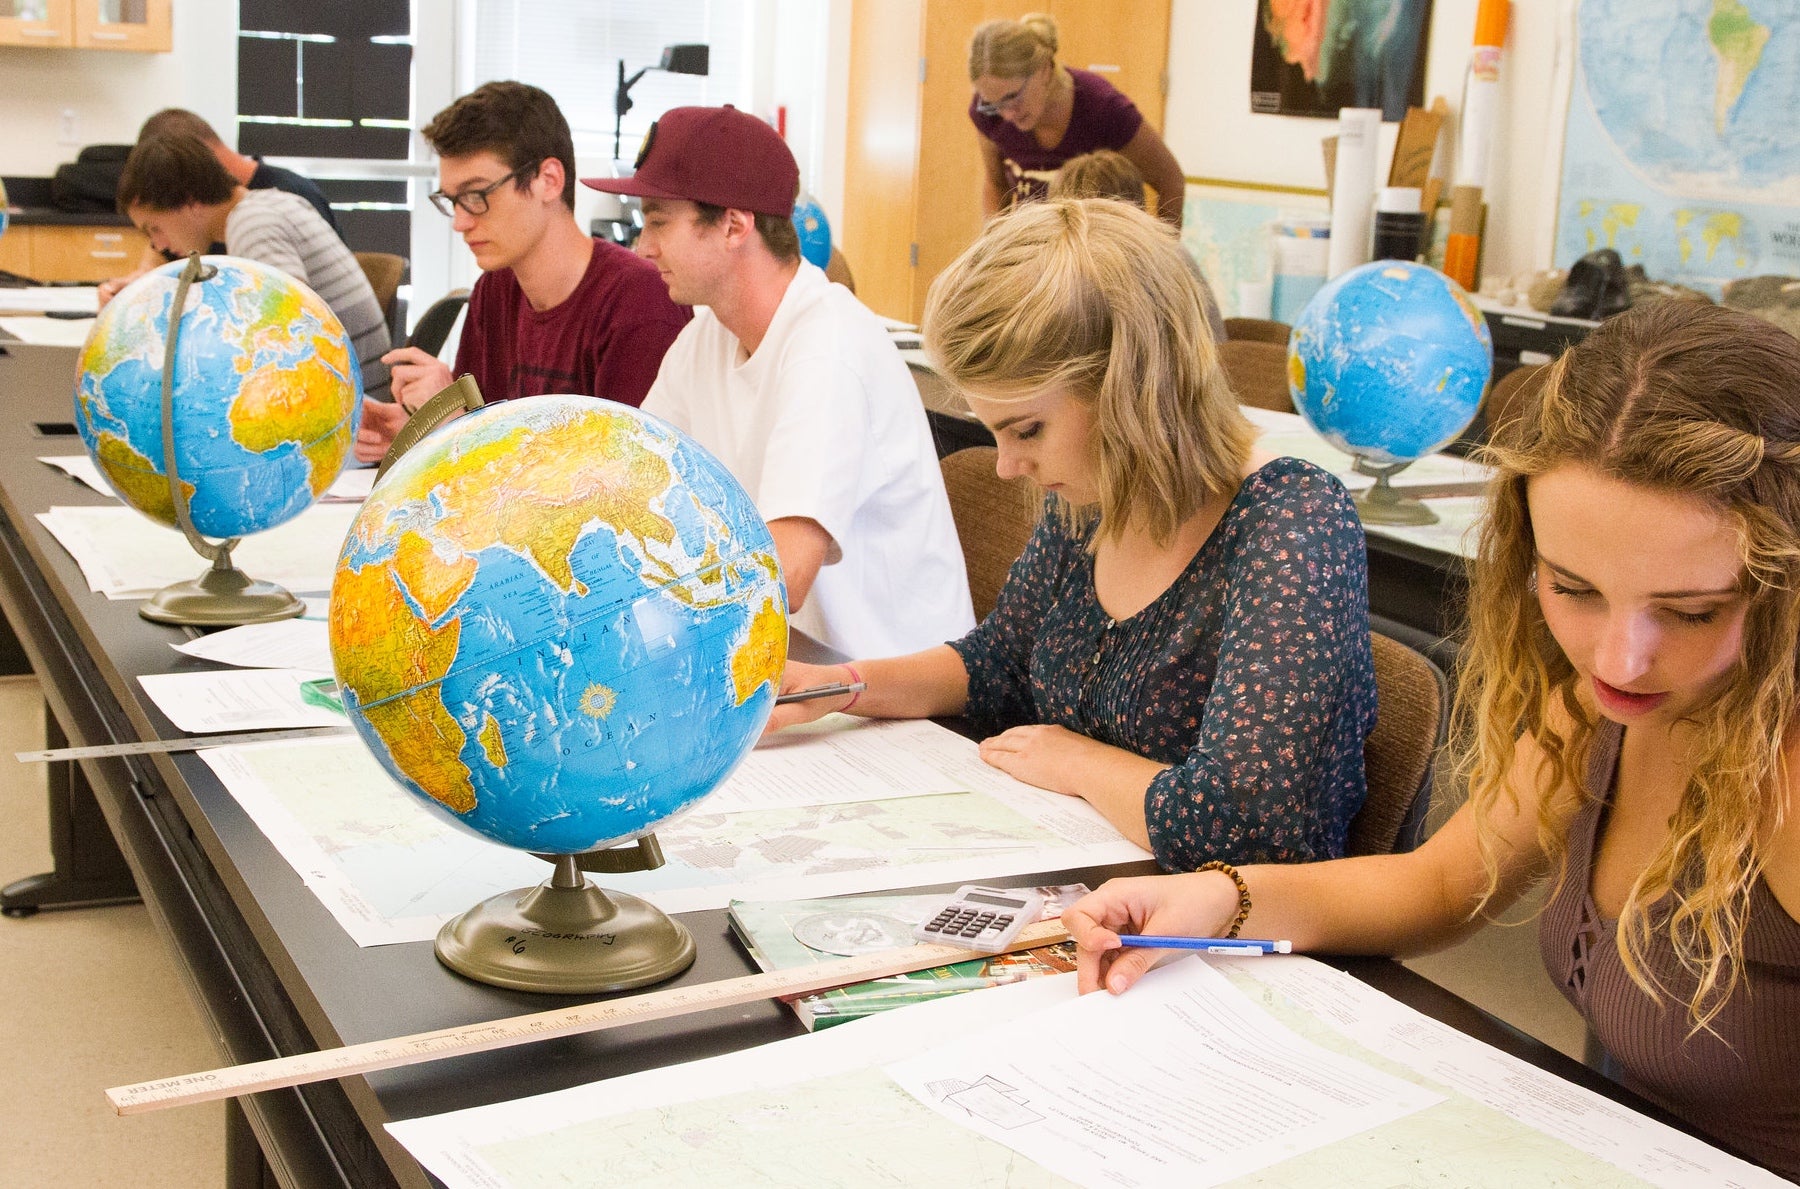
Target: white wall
[1212, 133]
[111, 93]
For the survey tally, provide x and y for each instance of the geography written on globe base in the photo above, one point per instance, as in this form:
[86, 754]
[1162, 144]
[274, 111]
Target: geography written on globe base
[267, 392]
[558, 621]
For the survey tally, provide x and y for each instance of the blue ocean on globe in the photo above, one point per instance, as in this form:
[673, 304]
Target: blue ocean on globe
[558, 621]
[814, 230]
[266, 389]
[1389, 361]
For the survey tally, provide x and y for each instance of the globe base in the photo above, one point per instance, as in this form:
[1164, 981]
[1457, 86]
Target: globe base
[221, 598]
[1383, 503]
[565, 936]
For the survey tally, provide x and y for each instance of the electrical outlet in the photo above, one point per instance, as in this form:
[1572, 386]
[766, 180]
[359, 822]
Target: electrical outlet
[69, 127]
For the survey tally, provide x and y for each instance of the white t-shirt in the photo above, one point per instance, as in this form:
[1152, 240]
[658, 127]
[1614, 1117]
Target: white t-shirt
[824, 422]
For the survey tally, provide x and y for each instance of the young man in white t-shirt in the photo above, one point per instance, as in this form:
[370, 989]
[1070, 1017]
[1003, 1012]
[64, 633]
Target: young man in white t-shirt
[796, 386]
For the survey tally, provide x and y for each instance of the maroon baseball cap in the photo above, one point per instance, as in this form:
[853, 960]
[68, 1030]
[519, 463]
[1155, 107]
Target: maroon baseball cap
[717, 155]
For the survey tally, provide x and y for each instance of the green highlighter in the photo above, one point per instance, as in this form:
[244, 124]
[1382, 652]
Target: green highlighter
[323, 693]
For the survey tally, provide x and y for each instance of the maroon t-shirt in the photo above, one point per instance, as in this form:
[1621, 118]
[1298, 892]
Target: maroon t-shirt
[606, 339]
[1102, 119]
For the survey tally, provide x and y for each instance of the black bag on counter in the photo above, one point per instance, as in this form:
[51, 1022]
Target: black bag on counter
[91, 182]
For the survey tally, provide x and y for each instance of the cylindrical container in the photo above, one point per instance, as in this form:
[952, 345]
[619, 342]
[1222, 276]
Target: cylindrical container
[1302, 255]
[1255, 299]
[1398, 234]
[1353, 187]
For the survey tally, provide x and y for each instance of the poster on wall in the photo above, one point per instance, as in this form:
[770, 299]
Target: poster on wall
[1691, 169]
[1311, 57]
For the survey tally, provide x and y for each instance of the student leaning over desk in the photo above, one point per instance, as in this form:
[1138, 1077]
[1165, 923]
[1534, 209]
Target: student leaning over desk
[1185, 640]
[1629, 701]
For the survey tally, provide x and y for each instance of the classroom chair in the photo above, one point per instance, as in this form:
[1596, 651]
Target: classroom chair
[385, 272]
[1258, 373]
[994, 518]
[1260, 330]
[435, 323]
[838, 269]
[1398, 755]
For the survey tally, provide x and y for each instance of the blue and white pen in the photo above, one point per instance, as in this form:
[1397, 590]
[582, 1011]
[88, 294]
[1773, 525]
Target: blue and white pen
[1237, 947]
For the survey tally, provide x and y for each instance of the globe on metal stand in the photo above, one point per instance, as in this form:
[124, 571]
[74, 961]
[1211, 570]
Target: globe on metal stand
[224, 596]
[1383, 503]
[568, 935]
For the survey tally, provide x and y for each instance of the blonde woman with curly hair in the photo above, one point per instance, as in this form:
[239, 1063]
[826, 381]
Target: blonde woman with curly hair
[1185, 641]
[1032, 114]
[1629, 705]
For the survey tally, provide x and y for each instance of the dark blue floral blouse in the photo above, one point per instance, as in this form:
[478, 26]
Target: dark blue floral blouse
[1250, 675]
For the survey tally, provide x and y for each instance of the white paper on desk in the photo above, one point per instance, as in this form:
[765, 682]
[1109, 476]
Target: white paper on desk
[1184, 1082]
[237, 700]
[285, 644]
[1288, 435]
[352, 485]
[837, 760]
[83, 468]
[41, 299]
[46, 332]
[468, 1149]
[124, 555]
[1573, 1114]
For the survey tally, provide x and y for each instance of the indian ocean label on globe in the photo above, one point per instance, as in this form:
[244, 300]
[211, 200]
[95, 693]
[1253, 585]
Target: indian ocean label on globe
[558, 621]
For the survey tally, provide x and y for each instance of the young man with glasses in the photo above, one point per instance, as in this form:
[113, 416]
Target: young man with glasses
[555, 310]
[796, 386]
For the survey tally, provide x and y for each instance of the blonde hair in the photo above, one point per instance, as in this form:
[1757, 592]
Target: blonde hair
[1102, 173]
[1683, 398]
[1012, 49]
[1099, 300]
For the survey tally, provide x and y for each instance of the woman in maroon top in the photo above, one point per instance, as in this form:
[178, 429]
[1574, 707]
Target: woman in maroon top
[1630, 698]
[1033, 114]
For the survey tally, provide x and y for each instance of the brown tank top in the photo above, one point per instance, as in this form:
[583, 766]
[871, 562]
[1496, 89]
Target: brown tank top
[1739, 1083]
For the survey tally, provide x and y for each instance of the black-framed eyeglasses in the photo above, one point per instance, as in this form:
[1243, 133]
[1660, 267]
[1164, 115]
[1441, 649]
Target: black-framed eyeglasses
[475, 202]
[1011, 99]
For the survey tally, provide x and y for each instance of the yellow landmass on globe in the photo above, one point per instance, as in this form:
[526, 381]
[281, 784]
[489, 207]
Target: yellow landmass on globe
[492, 745]
[1737, 42]
[135, 478]
[382, 650]
[307, 404]
[763, 654]
[433, 581]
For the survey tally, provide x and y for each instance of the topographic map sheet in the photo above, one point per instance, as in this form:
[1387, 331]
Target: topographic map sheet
[390, 871]
[1026, 1085]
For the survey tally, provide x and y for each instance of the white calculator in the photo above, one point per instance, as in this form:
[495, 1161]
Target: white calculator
[981, 918]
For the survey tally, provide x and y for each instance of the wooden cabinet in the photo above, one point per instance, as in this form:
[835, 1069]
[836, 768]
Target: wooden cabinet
[140, 25]
[49, 23]
[912, 176]
[65, 252]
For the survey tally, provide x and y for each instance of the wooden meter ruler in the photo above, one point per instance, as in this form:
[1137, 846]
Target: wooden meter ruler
[642, 1008]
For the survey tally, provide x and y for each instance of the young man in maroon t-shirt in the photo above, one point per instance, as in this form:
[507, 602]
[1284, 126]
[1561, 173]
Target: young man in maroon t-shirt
[555, 310]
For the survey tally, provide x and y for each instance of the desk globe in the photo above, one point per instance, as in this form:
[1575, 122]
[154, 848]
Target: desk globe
[556, 622]
[814, 230]
[1388, 363]
[263, 393]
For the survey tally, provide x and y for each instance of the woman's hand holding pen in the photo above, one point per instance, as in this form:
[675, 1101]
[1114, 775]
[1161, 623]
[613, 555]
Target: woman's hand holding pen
[797, 677]
[1195, 905]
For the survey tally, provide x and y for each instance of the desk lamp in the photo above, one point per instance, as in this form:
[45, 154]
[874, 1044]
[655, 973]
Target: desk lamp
[676, 59]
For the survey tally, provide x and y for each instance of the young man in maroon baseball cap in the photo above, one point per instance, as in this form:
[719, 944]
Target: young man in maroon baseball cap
[795, 385]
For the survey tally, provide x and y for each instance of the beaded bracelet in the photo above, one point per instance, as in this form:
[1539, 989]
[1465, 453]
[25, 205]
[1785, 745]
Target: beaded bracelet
[1243, 912]
[856, 679]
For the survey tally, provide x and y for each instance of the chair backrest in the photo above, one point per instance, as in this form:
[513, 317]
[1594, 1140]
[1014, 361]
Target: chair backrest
[838, 269]
[385, 271]
[1258, 373]
[1399, 753]
[994, 517]
[1510, 395]
[434, 324]
[1261, 330]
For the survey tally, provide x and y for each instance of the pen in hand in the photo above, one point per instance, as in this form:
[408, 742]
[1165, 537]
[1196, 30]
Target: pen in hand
[819, 691]
[1240, 947]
